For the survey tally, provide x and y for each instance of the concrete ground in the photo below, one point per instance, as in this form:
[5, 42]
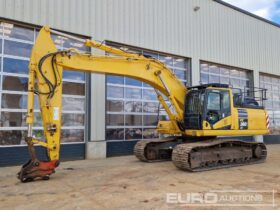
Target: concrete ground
[126, 183]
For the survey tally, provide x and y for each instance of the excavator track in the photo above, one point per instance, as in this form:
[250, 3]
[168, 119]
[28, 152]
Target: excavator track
[149, 150]
[216, 154]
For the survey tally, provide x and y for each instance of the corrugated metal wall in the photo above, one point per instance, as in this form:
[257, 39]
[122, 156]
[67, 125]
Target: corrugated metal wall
[214, 33]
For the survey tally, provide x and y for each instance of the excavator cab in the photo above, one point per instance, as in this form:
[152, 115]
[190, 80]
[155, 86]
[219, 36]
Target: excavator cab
[208, 107]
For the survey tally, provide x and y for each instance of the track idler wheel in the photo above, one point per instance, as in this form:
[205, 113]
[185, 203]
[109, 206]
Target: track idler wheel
[257, 151]
[35, 169]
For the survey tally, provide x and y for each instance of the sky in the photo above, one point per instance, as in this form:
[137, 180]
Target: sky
[269, 9]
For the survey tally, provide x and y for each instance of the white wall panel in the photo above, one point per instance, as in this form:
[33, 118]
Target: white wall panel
[214, 33]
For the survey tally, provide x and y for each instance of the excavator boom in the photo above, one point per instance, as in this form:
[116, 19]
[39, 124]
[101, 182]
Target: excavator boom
[45, 79]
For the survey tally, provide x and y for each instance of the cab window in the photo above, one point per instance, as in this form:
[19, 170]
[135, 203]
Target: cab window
[226, 101]
[214, 101]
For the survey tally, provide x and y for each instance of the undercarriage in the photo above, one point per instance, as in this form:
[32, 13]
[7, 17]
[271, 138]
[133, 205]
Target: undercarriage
[201, 155]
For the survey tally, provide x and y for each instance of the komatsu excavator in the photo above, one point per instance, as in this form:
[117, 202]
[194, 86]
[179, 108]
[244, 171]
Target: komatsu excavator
[199, 114]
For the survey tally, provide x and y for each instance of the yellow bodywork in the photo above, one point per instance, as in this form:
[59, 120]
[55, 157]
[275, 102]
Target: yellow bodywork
[256, 123]
[148, 70]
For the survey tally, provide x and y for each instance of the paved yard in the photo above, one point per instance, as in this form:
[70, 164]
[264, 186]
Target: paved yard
[126, 183]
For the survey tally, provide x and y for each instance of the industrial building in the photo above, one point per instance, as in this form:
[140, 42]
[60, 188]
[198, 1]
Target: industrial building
[202, 41]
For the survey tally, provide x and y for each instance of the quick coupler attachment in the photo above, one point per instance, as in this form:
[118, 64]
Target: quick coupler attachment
[35, 169]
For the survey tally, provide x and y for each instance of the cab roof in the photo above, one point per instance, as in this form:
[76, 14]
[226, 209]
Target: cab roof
[204, 86]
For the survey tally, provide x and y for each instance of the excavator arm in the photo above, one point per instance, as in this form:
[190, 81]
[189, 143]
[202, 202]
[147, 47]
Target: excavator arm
[45, 79]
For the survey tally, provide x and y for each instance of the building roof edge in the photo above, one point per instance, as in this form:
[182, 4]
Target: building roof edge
[247, 13]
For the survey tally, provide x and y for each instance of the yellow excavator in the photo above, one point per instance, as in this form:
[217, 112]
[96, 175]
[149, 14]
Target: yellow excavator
[199, 115]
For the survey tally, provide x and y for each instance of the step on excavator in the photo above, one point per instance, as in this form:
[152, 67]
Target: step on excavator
[199, 134]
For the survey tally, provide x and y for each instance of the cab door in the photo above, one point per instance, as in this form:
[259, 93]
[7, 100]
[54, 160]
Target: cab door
[217, 110]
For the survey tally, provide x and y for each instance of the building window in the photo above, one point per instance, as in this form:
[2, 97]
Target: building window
[215, 73]
[272, 104]
[132, 106]
[16, 42]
